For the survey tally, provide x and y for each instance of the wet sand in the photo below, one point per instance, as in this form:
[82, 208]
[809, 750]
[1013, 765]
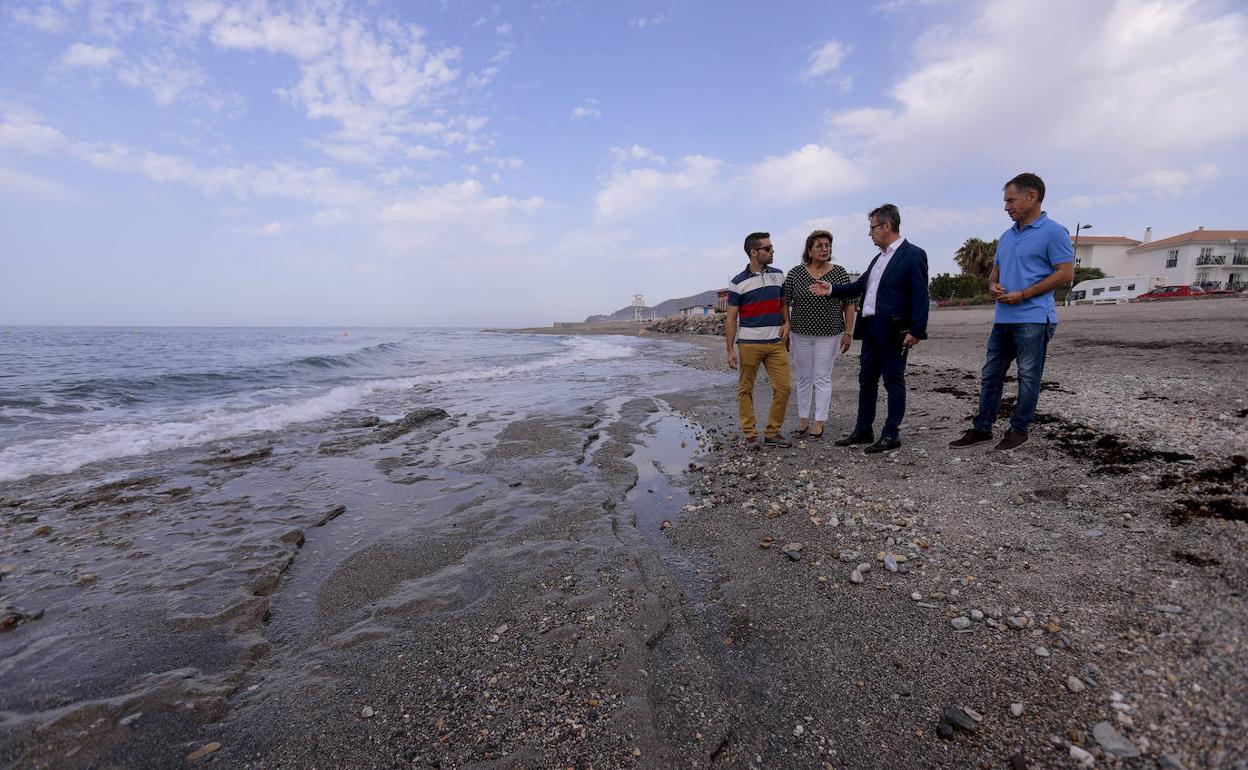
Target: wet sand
[610, 589]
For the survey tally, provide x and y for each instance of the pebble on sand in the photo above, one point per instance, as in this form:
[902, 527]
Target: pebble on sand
[961, 623]
[1016, 709]
[203, 751]
[367, 712]
[855, 576]
[1082, 757]
[1113, 741]
[1075, 684]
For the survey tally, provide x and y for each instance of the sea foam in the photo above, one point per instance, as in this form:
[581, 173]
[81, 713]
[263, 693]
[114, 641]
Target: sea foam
[68, 453]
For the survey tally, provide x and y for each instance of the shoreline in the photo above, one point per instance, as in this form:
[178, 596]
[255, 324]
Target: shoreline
[551, 606]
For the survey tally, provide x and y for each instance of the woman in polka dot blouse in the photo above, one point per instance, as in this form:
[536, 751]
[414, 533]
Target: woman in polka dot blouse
[820, 330]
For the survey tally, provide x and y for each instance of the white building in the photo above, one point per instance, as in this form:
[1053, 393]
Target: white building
[696, 311]
[1106, 252]
[1211, 259]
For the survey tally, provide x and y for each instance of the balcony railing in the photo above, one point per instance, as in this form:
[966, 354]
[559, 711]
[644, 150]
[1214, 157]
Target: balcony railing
[1209, 285]
[1217, 259]
[1240, 259]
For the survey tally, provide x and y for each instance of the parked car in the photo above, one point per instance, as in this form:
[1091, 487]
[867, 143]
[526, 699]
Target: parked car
[1173, 292]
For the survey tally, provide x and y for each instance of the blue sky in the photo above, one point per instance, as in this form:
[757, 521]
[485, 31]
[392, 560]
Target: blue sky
[463, 163]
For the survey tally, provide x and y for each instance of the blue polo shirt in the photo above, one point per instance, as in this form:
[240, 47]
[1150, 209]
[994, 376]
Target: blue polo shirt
[1025, 257]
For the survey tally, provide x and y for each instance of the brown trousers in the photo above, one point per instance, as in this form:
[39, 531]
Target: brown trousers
[775, 358]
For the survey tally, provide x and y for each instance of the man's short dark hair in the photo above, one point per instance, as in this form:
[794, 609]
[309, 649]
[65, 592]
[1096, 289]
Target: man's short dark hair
[887, 213]
[1028, 181]
[751, 241]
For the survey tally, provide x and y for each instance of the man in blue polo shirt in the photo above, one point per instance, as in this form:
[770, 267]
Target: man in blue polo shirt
[1034, 257]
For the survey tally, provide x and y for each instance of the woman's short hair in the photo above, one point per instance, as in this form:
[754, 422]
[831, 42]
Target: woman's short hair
[810, 241]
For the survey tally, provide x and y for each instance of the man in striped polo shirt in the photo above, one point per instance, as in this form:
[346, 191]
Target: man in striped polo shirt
[758, 324]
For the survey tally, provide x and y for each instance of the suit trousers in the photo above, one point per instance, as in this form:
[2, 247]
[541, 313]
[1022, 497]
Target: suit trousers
[882, 356]
[775, 358]
[814, 357]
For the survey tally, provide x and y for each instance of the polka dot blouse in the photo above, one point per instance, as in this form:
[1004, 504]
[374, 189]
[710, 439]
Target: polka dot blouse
[811, 314]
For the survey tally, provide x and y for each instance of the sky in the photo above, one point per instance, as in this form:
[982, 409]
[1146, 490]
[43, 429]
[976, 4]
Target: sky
[409, 163]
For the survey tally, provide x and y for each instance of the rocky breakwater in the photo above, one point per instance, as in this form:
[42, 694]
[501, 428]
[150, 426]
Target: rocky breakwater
[712, 325]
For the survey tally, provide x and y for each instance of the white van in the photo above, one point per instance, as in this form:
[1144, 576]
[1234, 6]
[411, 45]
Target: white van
[1114, 290]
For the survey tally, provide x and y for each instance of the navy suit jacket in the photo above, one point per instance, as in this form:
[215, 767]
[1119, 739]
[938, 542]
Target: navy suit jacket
[902, 296]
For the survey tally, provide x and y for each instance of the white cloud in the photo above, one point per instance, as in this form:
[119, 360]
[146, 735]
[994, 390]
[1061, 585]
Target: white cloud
[641, 22]
[1173, 182]
[1084, 202]
[305, 36]
[170, 81]
[1103, 102]
[458, 220]
[26, 187]
[859, 123]
[89, 56]
[320, 185]
[374, 78]
[508, 164]
[589, 109]
[637, 153]
[44, 17]
[825, 59]
[502, 29]
[631, 191]
[893, 6]
[805, 174]
[26, 132]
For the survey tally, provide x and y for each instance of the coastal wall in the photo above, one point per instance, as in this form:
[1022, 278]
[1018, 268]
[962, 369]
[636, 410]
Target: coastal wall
[712, 324]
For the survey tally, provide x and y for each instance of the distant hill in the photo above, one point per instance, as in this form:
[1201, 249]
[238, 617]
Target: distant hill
[661, 310]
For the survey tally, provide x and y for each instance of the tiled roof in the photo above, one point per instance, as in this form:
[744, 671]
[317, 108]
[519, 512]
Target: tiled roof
[1120, 240]
[1195, 236]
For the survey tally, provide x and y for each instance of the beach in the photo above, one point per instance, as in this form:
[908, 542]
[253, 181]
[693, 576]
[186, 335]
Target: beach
[596, 574]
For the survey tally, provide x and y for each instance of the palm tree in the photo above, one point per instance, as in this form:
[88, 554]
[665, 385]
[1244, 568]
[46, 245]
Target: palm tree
[975, 257]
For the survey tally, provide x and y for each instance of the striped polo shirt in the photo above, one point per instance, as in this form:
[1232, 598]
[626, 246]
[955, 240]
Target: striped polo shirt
[759, 299]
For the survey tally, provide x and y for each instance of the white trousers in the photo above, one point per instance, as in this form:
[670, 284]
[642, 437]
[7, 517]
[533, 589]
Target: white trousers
[814, 358]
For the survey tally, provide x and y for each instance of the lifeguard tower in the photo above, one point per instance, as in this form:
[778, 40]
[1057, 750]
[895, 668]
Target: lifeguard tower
[639, 304]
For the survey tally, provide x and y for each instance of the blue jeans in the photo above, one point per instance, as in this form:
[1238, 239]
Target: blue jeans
[1027, 344]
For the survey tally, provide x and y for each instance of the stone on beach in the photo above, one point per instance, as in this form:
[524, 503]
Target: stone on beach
[1083, 758]
[1075, 684]
[203, 751]
[1113, 741]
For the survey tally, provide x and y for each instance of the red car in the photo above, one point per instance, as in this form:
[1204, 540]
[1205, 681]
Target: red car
[1173, 292]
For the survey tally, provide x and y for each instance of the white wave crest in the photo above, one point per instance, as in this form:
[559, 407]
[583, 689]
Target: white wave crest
[66, 454]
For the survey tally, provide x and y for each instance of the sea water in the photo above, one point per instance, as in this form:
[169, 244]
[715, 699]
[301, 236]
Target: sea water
[71, 397]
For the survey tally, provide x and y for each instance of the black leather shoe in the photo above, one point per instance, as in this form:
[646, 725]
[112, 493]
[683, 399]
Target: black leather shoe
[777, 440]
[883, 445]
[855, 438]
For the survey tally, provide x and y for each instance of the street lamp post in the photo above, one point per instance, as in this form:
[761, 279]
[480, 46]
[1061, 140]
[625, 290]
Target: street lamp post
[1078, 226]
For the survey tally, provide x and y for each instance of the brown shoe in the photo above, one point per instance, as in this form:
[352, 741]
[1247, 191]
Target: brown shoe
[972, 437]
[1012, 440]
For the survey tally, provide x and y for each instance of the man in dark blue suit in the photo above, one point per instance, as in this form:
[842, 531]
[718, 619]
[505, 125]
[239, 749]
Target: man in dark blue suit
[893, 320]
